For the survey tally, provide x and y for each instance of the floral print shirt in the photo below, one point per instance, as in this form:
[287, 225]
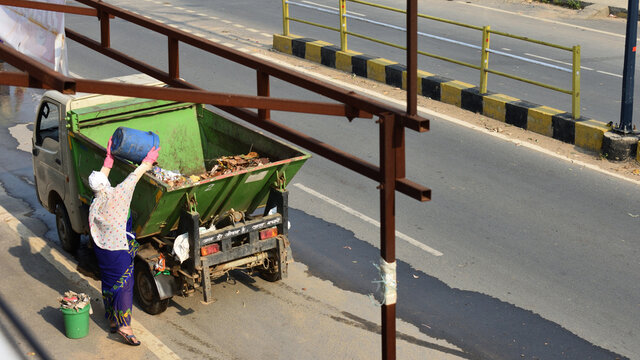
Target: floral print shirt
[108, 215]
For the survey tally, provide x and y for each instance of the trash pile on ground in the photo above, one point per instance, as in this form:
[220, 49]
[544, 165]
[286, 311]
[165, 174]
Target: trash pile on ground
[73, 300]
[224, 165]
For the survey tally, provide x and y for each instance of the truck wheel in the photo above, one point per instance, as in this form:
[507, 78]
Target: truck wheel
[145, 290]
[69, 239]
[271, 273]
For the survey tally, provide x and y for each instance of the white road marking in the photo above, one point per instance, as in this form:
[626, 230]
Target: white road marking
[440, 116]
[332, 8]
[190, 11]
[198, 35]
[214, 18]
[253, 30]
[506, 49]
[608, 73]
[228, 44]
[215, 40]
[68, 268]
[265, 34]
[201, 14]
[226, 21]
[238, 25]
[187, 30]
[180, 8]
[556, 61]
[544, 20]
[367, 219]
[244, 50]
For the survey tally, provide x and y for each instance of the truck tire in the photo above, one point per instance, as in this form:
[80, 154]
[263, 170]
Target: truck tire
[146, 291]
[271, 273]
[69, 239]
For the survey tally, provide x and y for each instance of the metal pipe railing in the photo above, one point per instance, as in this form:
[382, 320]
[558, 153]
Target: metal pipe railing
[484, 48]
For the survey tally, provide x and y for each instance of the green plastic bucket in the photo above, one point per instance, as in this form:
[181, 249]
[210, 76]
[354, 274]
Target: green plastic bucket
[76, 323]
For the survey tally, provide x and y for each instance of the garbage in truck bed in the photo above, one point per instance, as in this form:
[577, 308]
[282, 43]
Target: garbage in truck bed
[222, 166]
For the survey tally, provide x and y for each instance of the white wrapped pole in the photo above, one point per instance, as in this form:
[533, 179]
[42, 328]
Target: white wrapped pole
[389, 284]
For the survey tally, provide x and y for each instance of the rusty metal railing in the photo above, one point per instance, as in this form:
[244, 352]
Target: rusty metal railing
[392, 121]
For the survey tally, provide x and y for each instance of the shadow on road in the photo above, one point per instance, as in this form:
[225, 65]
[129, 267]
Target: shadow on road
[484, 327]
[52, 278]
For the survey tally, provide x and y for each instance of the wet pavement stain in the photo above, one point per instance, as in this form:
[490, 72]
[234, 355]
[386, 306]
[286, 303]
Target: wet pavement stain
[484, 327]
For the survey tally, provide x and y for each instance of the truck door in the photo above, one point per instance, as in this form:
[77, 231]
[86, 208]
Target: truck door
[47, 158]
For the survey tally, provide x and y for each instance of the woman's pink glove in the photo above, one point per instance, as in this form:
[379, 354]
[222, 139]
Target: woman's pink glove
[108, 161]
[152, 155]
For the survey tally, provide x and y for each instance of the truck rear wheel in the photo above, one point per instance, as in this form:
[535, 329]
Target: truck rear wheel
[146, 291]
[271, 273]
[69, 239]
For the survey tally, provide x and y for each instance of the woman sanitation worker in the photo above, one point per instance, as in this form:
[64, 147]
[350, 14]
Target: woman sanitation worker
[115, 245]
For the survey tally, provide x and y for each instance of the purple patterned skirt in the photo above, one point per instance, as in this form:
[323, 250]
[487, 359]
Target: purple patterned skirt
[116, 273]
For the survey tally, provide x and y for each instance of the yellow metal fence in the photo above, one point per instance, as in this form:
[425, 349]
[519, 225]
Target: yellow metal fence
[484, 48]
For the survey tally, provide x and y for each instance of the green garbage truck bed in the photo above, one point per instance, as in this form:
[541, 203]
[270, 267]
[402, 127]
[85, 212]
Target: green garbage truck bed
[192, 139]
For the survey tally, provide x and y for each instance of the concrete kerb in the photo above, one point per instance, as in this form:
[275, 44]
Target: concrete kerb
[585, 133]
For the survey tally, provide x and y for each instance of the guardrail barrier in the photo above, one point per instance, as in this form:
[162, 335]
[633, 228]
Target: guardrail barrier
[484, 48]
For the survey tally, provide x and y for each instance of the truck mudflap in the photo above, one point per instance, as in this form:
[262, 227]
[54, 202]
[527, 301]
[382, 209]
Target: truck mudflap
[166, 285]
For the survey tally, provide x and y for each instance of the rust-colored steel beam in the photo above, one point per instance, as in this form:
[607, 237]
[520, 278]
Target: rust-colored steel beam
[77, 10]
[105, 30]
[174, 59]
[388, 227]
[412, 57]
[414, 122]
[38, 72]
[14, 78]
[21, 79]
[297, 105]
[262, 80]
[208, 97]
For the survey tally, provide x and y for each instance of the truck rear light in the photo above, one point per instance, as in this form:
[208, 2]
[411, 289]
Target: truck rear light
[268, 233]
[209, 249]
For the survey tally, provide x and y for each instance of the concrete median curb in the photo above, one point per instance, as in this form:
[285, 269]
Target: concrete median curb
[584, 133]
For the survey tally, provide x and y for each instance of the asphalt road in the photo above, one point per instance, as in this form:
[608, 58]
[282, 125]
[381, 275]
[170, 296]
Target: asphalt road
[539, 257]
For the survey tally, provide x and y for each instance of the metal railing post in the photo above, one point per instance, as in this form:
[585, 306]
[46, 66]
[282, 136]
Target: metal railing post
[174, 58]
[263, 90]
[285, 18]
[105, 32]
[575, 84]
[484, 59]
[388, 153]
[342, 4]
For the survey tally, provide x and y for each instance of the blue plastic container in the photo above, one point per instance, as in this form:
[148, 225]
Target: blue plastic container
[132, 144]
